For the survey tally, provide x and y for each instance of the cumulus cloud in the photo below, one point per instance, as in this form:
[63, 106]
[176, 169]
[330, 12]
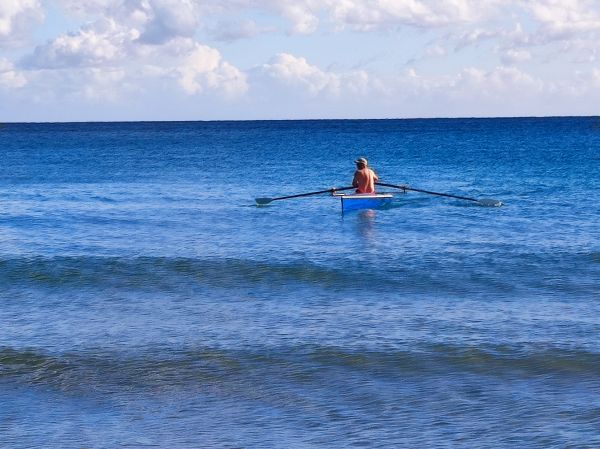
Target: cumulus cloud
[16, 19]
[170, 18]
[157, 21]
[194, 67]
[106, 53]
[561, 19]
[101, 43]
[136, 46]
[301, 14]
[574, 23]
[296, 71]
[204, 69]
[501, 90]
[469, 22]
[297, 74]
[134, 43]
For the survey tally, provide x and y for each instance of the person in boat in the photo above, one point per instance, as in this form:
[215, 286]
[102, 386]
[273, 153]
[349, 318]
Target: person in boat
[364, 177]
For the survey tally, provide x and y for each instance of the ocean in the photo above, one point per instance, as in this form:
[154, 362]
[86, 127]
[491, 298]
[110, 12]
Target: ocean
[146, 301]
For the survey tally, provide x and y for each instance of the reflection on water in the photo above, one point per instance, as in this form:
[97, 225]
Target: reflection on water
[365, 223]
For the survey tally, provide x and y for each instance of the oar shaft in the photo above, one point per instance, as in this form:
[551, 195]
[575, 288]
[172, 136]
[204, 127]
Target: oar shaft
[427, 191]
[311, 193]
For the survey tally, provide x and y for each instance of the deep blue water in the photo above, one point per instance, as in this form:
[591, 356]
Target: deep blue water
[146, 301]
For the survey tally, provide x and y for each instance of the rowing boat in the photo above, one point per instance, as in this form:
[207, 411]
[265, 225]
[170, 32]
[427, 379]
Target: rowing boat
[357, 201]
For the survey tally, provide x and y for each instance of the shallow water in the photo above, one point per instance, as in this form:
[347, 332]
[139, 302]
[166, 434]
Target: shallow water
[146, 301]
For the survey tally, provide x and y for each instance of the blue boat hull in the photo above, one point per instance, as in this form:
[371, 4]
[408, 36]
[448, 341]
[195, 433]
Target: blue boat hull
[365, 201]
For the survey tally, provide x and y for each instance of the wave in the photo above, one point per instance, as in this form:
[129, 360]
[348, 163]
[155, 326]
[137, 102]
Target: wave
[313, 364]
[142, 272]
[443, 274]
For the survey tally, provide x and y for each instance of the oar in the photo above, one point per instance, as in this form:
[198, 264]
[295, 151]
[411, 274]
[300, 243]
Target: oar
[482, 202]
[263, 201]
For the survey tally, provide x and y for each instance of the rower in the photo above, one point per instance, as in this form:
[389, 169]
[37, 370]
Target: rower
[364, 178]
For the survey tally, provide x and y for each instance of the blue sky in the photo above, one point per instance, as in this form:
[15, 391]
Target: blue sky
[71, 60]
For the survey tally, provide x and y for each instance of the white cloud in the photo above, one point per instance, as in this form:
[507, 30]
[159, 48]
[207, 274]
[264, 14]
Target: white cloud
[134, 43]
[156, 20]
[467, 22]
[297, 72]
[9, 77]
[204, 69]
[128, 48]
[169, 19]
[472, 91]
[367, 15]
[475, 37]
[301, 14]
[298, 75]
[17, 18]
[97, 44]
[504, 89]
[561, 19]
[112, 60]
[573, 23]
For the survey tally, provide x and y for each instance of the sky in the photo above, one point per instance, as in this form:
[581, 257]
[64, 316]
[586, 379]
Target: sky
[113, 60]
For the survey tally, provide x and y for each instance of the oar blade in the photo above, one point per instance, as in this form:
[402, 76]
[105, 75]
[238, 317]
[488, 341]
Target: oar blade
[263, 201]
[489, 202]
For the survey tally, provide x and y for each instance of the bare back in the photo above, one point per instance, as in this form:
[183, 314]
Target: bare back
[364, 180]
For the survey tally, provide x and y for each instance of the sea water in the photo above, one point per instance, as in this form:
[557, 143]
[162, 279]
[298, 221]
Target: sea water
[146, 301]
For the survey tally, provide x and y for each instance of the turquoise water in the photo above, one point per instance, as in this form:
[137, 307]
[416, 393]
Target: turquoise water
[146, 301]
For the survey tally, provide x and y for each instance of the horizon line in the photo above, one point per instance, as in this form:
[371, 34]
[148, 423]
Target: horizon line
[304, 119]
